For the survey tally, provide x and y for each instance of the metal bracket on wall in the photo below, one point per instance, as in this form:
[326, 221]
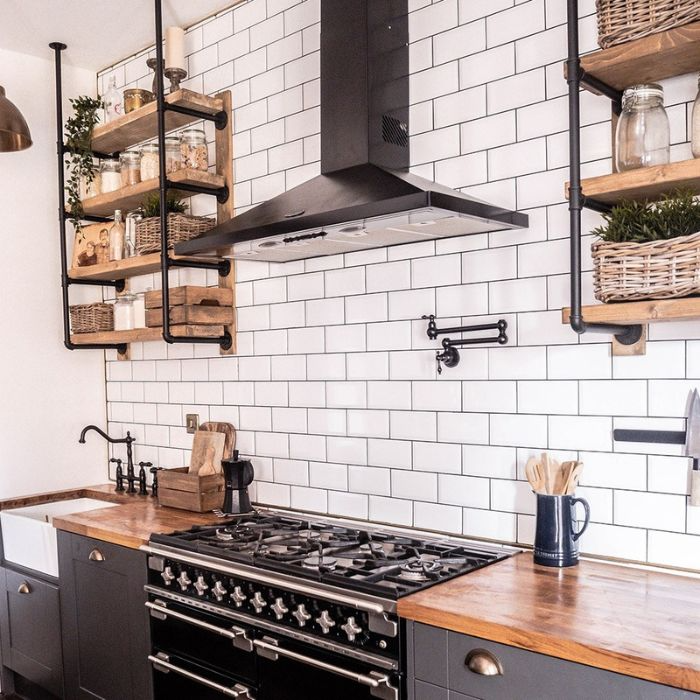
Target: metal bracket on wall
[449, 356]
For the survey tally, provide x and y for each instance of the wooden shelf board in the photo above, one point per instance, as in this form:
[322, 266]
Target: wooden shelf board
[131, 197]
[640, 312]
[144, 335]
[123, 269]
[647, 60]
[142, 124]
[643, 183]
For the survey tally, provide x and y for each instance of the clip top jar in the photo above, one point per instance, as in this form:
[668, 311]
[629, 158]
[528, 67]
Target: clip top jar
[643, 136]
[193, 146]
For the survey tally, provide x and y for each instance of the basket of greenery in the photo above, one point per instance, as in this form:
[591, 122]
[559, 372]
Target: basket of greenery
[181, 226]
[649, 250]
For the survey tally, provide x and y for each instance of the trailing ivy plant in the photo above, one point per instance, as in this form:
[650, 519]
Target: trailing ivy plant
[79, 159]
[151, 205]
[675, 214]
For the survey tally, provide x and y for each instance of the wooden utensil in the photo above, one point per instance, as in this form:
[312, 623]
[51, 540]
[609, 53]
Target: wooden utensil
[558, 476]
[573, 478]
[534, 474]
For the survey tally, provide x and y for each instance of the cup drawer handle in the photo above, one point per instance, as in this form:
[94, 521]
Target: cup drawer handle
[24, 588]
[96, 555]
[483, 663]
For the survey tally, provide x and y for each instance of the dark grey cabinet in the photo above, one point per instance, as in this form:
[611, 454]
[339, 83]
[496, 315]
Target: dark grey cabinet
[30, 630]
[438, 671]
[105, 626]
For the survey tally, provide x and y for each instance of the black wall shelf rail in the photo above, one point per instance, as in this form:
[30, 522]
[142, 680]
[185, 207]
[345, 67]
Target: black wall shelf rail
[576, 77]
[222, 194]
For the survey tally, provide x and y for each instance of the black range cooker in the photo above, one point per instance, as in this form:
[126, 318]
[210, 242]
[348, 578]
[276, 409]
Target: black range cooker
[275, 607]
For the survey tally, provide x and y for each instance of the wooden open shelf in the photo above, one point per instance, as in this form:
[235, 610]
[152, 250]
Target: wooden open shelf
[144, 335]
[647, 60]
[643, 183]
[142, 124]
[122, 269]
[132, 196]
[631, 313]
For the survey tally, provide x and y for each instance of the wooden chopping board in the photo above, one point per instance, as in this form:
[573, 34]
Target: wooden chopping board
[207, 452]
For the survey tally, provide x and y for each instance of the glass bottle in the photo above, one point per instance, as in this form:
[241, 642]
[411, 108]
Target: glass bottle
[114, 106]
[132, 218]
[643, 134]
[695, 135]
[193, 146]
[110, 177]
[117, 235]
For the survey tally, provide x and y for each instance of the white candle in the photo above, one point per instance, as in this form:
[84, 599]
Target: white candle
[175, 48]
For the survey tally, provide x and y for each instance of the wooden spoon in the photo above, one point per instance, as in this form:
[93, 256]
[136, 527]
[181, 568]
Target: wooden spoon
[574, 476]
[534, 473]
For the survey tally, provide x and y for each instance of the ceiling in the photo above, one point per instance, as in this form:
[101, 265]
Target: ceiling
[96, 31]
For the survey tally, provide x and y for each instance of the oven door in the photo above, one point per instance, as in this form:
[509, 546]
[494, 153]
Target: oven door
[295, 671]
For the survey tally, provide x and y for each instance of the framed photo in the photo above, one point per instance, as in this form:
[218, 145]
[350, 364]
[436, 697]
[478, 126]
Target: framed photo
[91, 246]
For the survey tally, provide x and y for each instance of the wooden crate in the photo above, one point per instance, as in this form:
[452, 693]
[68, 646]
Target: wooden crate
[201, 494]
[190, 305]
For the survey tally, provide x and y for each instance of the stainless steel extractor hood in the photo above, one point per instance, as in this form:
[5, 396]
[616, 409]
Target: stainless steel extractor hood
[365, 197]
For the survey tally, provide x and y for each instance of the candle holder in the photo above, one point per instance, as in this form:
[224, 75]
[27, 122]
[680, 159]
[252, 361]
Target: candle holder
[175, 75]
[152, 63]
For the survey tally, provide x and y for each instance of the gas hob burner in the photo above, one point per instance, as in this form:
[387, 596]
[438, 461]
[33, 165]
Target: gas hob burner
[319, 562]
[420, 569]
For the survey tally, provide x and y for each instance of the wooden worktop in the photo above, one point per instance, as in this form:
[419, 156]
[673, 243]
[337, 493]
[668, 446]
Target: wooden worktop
[130, 524]
[628, 620]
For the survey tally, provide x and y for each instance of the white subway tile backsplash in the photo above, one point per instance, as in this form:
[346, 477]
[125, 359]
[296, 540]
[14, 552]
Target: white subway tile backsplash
[413, 425]
[650, 510]
[464, 491]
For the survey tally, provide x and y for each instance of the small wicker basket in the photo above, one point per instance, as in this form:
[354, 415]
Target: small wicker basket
[181, 227]
[620, 21]
[655, 270]
[92, 318]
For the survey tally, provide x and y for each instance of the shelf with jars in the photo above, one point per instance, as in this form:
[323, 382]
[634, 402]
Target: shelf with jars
[627, 75]
[142, 157]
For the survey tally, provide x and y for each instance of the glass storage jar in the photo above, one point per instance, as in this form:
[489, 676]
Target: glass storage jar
[173, 157]
[111, 179]
[149, 161]
[92, 188]
[124, 312]
[193, 146]
[643, 134]
[130, 167]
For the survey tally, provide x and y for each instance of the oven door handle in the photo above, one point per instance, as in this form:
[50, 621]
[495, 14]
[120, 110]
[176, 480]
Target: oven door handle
[161, 662]
[237, 635]
[379, 683]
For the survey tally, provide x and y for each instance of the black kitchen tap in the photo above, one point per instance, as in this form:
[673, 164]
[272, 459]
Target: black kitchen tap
[130, 477]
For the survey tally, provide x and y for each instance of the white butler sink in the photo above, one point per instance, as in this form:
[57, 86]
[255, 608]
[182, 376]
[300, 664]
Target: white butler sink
[28, 535]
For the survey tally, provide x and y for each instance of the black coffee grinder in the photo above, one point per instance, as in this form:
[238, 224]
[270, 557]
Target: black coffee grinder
[238, 475]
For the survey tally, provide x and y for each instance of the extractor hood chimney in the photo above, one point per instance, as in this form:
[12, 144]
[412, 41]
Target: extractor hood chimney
[365, 197]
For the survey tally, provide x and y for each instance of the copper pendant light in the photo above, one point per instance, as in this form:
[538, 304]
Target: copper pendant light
[14, 132]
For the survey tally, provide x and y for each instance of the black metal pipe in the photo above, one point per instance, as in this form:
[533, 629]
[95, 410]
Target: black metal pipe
[625, 334]
[596, 85]
[220, 119]
[57, 47]
[221, 193]
[117, 284]
[223, 267]
[97, 154]
[87, 217]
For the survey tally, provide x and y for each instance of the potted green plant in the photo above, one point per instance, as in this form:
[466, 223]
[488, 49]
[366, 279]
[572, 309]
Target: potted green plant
[181, 226]
[78, 131]
[649, 250]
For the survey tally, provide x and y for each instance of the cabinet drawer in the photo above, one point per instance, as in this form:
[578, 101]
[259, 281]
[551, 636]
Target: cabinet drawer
[32, 631]
[531, 676]
[95, 553]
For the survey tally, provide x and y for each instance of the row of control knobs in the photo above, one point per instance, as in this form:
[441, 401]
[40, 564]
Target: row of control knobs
[279, 608]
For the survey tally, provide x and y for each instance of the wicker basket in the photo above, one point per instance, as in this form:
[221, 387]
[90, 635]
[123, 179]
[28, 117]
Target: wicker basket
[181, 227]
[92, 318]
[656, 270]
[620, 21]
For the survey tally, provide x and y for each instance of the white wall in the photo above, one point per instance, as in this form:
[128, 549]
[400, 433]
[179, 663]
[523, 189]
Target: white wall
[47, 394]
[334, 390]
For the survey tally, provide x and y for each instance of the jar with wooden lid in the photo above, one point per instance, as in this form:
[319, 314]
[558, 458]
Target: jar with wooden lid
[193, 147]
[149, 161]
[130, 167]
[643, 135]
[173, 156]
[111, 179]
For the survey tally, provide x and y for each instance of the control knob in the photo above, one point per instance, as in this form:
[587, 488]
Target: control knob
[325, 622]
[258, 602]
[219, 591]
[238, 596]
[302, 617]
[279, 608]
[168, 576]
[184, 580]
[201, 585]
[351, 629]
